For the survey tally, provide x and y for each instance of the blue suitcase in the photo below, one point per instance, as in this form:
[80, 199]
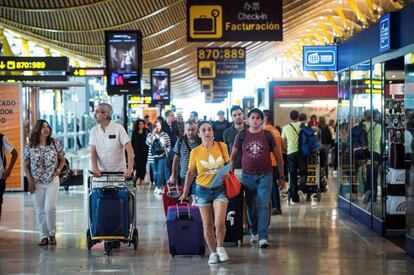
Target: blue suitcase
[185, 230]
[109, 213]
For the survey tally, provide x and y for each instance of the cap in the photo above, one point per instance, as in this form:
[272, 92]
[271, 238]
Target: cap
[220, 113]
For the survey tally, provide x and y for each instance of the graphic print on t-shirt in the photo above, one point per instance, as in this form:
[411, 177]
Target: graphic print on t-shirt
[212, 164]
[255, 149]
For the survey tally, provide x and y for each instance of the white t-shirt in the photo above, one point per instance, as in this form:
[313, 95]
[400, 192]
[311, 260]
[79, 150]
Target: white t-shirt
[110, 146]
[7, 146]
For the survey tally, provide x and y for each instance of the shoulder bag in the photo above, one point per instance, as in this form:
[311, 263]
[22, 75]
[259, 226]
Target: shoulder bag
[66, 172]
[231, 183]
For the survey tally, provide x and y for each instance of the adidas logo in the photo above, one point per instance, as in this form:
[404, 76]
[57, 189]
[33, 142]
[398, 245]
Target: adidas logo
[401, 207]
[212, 164]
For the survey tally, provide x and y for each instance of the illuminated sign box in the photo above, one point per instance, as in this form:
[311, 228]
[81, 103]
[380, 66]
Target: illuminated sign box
[221, 63]
[34, 63]
[123, 61]
[319, 58]
[160, 86]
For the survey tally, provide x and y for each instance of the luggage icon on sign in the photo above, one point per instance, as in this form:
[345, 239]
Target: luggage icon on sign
[206, 21]
[206, 69]
[313, 58]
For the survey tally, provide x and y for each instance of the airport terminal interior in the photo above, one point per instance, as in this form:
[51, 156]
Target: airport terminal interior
[107, 109]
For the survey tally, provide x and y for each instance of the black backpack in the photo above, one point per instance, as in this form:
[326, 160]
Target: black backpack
[157, 149]
[326, 136]
[2, 155]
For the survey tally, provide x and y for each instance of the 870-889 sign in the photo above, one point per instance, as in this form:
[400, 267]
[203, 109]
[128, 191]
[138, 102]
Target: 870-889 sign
[221, 63]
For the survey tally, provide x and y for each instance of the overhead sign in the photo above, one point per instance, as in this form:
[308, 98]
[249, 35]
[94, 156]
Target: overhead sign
[87, 72]
[221, 63]
[217, 84]
[11, 63]
[299, 91]
[385, 32]
[33, 78]
[319, 58]
[234, 20]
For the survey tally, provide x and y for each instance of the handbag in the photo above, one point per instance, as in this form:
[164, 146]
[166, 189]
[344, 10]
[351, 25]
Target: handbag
[231, 182]
[66, 172]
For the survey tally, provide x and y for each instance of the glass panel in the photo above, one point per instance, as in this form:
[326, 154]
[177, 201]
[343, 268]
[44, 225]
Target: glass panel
[375, 134]
[360, 123]
[344, 173]
[409, 142]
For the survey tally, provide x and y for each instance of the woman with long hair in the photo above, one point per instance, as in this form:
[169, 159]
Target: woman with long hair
[139, 137]
[43, 161]
[206, 159]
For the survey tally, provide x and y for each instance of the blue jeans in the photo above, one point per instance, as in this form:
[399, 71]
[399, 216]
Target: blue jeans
[275, 190]
[160, 173]
[258, 189]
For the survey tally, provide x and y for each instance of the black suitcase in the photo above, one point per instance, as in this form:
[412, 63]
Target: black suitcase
[234, 220]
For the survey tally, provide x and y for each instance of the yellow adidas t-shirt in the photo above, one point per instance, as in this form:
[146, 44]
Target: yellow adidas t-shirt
[207, 162]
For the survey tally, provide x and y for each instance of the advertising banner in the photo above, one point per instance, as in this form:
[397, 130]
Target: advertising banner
[234, 20]
[305, 91]
[160, 86]
[221, 63]
[11, 127]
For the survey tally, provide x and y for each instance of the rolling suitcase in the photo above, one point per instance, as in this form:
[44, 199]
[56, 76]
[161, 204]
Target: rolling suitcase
[234, 220]
[109, 212]
[185, 230]
[170, 195]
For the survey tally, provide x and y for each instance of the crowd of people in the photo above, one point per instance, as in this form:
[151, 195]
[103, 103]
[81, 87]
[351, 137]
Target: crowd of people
[186, 153]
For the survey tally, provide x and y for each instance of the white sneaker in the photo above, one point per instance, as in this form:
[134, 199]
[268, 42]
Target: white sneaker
[223, 256]
[156, 190]
[214, 258]
[254, 238]
[302, 196]
[263, 243]
[159, 191]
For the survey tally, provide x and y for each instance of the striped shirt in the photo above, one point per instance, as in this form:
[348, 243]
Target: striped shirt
[165, 142]
[181, 150]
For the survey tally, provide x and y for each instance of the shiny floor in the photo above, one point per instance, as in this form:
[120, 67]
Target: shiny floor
[307, 239]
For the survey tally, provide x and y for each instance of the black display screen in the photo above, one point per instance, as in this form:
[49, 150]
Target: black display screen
[160, 86]
[123, 61]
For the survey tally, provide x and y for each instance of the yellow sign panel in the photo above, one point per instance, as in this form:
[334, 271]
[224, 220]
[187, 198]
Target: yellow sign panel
[206, 85]
[206, 69]
[206, 21]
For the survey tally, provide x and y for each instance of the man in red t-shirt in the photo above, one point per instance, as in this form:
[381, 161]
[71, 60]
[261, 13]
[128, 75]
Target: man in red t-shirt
[255, 145]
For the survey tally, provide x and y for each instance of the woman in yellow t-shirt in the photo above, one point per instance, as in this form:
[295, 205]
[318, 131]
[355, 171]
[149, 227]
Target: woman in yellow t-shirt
[206, 159]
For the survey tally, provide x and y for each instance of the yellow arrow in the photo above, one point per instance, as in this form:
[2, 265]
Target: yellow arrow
[2, 65]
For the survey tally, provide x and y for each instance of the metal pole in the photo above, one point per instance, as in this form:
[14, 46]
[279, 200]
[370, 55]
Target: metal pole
[126, 112]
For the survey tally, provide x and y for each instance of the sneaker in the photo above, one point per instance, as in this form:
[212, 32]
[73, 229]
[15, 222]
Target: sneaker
[214, 258]
[276, 211]
[291, 202]
[156, 190]
[254, 238]
[52, 240]
[263, 243]
[159, 192]
[302, 195]
[223, 256]
[43, 242]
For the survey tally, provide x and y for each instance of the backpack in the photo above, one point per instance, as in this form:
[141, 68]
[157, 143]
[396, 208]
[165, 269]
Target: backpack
[308, 143]
[326, 136]
[2, 155]
[359, 136]
[157, 150]
[269, 138]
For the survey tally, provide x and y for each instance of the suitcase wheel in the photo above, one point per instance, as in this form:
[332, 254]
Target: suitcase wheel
[108, 249]
[89, 241]
[135, 238]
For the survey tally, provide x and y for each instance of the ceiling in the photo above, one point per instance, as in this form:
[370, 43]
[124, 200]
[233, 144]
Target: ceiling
[76, 28]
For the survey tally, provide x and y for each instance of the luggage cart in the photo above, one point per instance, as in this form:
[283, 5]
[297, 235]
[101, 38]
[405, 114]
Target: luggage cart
[313, 180]
[118, 223]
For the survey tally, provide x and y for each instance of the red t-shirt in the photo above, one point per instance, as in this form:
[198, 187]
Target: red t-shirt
[255, 153]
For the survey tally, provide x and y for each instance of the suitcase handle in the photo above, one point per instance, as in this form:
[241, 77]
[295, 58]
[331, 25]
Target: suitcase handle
[109, 189]
[178, 210]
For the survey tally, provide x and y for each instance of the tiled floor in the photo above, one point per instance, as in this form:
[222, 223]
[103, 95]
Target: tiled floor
[306, 239]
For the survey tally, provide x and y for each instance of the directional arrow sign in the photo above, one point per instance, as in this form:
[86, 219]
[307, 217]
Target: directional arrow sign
[2, 65]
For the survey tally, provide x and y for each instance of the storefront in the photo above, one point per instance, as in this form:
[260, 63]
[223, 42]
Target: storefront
[375, 114]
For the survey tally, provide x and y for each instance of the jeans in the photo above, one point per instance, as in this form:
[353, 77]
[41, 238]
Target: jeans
[207, 196]
[297, 161]
[2, 189]
[275, 190]
[169, 161]
[159, 171]
[45, 198]
[258, 189]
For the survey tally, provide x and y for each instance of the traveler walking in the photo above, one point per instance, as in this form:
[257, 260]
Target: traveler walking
[205, 160]
[139, 138]
[43, 161]
[220, 126]
[5, 170]
[169, 126]
[256, 145]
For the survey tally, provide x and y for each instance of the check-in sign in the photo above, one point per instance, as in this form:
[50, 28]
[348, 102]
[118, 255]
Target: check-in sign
[234, 20]
[221, 63]
[319, 58]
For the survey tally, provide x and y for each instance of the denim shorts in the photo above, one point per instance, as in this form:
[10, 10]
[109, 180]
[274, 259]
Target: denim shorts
[206, 196]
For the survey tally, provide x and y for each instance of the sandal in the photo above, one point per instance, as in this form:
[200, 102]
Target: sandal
[52, 240]
[43, 242]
